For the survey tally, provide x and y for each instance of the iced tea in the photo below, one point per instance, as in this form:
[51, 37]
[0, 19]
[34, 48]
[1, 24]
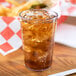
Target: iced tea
[38, 30]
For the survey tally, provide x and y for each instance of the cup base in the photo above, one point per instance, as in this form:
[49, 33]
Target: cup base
[35, 69]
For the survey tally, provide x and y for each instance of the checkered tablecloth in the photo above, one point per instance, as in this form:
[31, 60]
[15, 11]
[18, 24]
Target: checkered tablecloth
[68, 7]
[10, 35]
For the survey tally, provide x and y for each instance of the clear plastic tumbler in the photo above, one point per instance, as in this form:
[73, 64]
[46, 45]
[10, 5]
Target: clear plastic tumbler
[38, 29]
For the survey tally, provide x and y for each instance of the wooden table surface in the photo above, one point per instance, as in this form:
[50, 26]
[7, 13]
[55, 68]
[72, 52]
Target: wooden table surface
[13, 64]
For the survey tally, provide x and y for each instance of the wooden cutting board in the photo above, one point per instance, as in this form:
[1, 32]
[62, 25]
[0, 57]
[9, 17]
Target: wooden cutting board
[64, 58]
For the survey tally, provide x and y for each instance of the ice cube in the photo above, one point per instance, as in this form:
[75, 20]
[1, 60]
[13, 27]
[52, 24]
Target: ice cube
[27, 48]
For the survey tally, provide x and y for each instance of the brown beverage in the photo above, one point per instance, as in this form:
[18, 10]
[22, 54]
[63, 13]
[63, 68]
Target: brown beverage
[38, 38]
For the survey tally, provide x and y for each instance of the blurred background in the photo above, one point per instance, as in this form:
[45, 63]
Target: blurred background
[66, 26]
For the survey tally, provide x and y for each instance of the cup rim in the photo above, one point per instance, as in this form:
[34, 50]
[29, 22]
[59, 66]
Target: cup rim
[55, 16]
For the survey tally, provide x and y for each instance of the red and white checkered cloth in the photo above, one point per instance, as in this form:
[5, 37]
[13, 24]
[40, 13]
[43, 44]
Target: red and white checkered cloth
[10, 32]
[68, 7]
[10, 35]
[6, 4]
